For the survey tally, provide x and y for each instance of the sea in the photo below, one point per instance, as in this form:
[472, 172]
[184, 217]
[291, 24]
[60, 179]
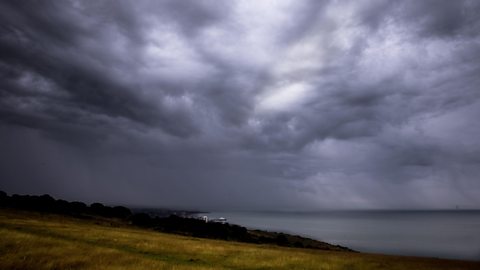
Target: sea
[452, 234]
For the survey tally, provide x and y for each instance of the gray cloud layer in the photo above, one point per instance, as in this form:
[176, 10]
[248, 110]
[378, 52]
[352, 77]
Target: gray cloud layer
[242, 104]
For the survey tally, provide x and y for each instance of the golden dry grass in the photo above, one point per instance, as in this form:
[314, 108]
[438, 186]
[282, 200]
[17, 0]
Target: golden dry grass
[35, 241]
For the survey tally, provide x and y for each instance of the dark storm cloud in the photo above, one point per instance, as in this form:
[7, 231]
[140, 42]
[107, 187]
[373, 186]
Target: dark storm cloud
[51, 49]
[245, 104]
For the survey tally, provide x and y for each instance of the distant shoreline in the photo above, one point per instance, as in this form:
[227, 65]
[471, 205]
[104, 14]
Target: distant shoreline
[404, 233]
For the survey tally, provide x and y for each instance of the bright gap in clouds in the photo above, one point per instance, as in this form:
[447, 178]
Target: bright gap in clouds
[283, 98]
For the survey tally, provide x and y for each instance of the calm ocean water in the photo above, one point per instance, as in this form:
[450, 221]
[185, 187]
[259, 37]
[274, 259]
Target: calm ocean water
[444, 234]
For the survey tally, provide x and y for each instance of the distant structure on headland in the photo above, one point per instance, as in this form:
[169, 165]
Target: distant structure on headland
[217, 220]
[220, 220]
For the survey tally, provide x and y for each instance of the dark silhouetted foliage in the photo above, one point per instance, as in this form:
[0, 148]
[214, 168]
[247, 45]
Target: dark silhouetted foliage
[3, 195]
[78, 207]
[142, 219]
[121, 212]
[281, 239]
[45, 203]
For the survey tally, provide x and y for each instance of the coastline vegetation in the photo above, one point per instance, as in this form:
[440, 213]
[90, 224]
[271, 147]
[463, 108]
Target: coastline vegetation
[41, 240]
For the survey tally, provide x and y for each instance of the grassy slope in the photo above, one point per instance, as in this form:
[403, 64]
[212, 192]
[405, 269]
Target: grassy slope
[35, 241]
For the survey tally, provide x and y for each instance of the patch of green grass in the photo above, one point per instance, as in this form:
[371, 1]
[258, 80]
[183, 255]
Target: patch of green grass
[35, 241]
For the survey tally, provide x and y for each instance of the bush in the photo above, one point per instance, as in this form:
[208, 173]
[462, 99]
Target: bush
[141, 219]
[121, 212]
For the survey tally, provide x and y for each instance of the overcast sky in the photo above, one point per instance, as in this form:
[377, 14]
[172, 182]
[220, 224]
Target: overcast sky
[251, 105]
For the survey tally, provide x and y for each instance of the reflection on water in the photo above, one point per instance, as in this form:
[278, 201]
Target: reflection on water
[445, 234]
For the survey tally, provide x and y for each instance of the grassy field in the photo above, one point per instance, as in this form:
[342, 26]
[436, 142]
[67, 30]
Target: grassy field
[35, 241]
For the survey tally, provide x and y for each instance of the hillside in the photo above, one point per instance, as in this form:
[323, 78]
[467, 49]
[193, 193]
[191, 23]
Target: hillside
[32, 240]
